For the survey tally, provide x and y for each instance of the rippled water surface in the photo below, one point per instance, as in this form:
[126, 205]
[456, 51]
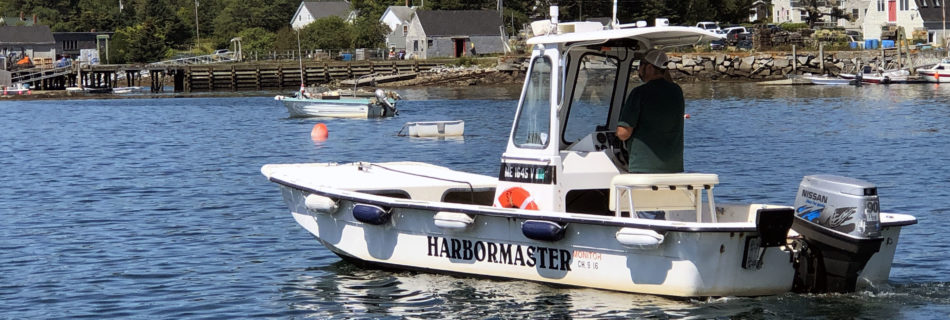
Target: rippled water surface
[156, 208]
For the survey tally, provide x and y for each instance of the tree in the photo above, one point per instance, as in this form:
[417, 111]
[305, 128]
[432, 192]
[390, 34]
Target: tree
[368, 33]
[257, 40]
[327, 33]
[140, 43]
[99, 15]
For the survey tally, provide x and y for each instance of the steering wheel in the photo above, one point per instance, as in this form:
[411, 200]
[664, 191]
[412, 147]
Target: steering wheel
[616, 147]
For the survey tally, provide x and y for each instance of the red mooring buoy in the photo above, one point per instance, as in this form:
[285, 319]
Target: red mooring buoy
[319, 132]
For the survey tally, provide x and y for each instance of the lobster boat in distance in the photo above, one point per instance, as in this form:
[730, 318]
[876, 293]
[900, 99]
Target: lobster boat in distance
[332, 104]
[563, 210]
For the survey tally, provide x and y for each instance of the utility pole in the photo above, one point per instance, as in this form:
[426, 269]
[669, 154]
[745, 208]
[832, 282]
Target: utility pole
[197, 31]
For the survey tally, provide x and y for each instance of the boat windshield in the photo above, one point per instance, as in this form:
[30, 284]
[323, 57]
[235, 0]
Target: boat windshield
[593, 90]
[532, 125]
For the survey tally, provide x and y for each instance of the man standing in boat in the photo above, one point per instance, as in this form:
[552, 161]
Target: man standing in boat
[651, 121]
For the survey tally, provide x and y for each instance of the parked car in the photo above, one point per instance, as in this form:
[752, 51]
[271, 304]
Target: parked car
[733, 33]
[708, 25]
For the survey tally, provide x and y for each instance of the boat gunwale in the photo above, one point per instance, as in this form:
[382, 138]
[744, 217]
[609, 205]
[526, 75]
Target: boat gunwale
[565, 217]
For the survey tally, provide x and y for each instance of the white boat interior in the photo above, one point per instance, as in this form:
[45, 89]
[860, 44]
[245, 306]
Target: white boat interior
[451, 128]
[563, 209]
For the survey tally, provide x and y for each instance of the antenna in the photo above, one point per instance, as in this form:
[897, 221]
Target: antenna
[613, 22]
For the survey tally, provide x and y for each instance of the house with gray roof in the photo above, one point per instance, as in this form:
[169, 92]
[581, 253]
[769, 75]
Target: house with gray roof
[454, 33]
[309, 11]
[34, 41]
[397, 18]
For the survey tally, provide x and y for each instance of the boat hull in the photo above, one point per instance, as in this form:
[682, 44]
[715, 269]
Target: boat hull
[341, 108]
[828, 81]
[932, 76]
[691, 261]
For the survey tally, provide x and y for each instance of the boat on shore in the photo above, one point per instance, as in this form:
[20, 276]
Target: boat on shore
[564, 210]
[334, 105]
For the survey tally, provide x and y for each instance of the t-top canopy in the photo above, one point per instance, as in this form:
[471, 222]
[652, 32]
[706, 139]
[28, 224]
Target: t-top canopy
[658, 37]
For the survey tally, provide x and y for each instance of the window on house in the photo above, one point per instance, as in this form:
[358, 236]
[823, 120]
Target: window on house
[923, 3]
[405, 30]
[415, 45]
[938, 3]
[429, 43]
[880, 5]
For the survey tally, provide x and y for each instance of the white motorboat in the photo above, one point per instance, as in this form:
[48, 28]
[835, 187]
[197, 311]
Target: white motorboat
[826, 80]
[18, 89]
[563, 210]
[453, 128]
[939, 72]
[127, 90]
[880, 76]
[304, 104]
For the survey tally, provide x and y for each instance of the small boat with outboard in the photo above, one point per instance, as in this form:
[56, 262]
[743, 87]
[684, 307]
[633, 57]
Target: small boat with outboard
[333, 104]
[563, 210]
[892, 76]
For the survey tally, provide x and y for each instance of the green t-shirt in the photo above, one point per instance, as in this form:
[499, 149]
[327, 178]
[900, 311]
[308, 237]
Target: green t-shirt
[655, 112]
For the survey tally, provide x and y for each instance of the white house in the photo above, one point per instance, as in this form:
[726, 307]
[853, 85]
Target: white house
[912, 15]
[397, 18]
[759, 11]
[796, 11]
[857, 9]
[308, 11]
[787, 11]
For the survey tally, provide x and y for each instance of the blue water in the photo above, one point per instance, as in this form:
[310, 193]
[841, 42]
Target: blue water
[156, 208]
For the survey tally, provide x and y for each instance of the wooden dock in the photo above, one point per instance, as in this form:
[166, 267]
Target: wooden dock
[234, 76]
[245, 77]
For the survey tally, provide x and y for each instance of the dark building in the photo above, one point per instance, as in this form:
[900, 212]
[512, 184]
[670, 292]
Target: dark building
[69, 44]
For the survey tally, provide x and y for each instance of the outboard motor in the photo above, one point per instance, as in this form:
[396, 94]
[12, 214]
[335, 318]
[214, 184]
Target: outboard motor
[839, 221]
[382, 98]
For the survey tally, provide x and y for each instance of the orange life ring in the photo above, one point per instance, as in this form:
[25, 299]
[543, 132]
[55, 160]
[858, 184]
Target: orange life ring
[517, 197]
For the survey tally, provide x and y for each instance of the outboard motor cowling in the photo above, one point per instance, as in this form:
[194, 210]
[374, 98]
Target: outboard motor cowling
[842, 204]
[381, 97]
[839, 221]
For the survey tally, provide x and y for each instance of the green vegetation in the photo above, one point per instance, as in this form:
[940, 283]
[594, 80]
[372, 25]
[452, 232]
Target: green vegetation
[151, 30]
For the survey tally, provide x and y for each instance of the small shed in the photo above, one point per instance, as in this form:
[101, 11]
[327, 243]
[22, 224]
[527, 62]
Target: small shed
[454, 33]
[310, 11]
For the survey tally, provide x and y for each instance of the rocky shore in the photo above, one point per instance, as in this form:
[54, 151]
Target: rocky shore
[690, 67]
[684, 67]
[778, 65]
